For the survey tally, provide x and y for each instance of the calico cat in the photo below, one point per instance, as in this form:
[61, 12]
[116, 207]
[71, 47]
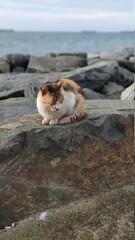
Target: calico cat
[61, 102]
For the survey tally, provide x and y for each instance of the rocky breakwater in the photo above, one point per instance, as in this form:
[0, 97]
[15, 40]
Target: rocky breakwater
[45, 166]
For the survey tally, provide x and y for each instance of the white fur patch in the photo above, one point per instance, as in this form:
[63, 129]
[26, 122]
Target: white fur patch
[65, 108]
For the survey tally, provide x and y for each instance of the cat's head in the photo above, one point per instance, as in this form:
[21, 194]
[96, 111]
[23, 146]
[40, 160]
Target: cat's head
[50, 95]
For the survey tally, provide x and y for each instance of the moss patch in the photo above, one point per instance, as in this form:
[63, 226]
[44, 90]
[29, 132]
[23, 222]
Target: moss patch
[106, 216]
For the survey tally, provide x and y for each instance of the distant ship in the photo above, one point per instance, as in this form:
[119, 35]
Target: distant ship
[128, 31]
[6, 30]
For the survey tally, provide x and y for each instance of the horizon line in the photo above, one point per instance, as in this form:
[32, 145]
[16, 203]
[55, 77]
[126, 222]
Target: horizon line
[68, 31]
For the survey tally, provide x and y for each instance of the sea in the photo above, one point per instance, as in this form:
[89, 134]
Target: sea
[42, 43]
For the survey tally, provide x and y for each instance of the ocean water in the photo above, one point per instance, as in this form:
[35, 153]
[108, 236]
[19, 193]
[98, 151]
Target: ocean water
[41, 43]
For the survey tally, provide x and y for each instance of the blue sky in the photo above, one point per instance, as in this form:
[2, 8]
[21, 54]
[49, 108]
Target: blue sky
[67, 15]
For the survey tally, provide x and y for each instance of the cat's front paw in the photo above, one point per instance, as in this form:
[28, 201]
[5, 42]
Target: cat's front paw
[54, 122]
[45, 121]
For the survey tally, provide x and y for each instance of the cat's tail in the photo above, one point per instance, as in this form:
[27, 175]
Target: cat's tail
[73, 118]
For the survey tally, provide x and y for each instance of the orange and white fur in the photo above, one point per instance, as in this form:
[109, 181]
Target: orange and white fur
[61, 102]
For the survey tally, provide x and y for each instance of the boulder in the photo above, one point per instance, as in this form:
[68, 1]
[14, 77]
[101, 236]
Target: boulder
[128, 64]
[4, 66]
[23, 85]
[99, 74]
[122, 54]
[90, 94]
[18, 70]
[60, 63]
[17, 60]
[83, 55]
[112, 90]
[105, 216]
[46, 166]
[124, 77]
[123, 57]
[129, 93]
[93, 60]
[93, 77]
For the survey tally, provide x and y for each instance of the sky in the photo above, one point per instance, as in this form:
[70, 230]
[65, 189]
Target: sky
[67, 15]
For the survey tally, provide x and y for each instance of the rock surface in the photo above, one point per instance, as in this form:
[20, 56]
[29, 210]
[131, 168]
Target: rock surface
[60, 63]
[17, 60]
[99, 74]
[129, 93]
[67, 61]
[112, 90]
[107, 216]
[4, 66]
[124, 57]
[45, 166]
[89, 94]
[94, 77]
[122, 54]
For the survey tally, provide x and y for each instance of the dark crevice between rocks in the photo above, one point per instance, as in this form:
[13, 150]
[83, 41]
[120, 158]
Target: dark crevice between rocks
[17, 94]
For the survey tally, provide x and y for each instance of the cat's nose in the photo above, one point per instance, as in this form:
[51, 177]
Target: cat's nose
[56, 109]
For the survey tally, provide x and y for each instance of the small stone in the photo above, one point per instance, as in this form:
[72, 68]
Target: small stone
[42, 216]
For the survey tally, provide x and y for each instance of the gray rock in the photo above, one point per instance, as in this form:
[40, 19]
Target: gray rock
[23, 85]
[17, 60]
[122, 54]
[90, 94]
[129, 93]
[51, 55]
[93, 60]
[52, 165]
[18, 70]
[82, 55]
[123, 57]
[99, 74]
[93, 77]
[60, 63]
[4, 66]
[128, 64]
[112, 90]
[124, 77]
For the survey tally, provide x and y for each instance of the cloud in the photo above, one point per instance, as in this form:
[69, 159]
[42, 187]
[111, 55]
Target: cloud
[44, 16]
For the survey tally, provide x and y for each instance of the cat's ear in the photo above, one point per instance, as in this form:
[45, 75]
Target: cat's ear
[59, 84]
[43, 90]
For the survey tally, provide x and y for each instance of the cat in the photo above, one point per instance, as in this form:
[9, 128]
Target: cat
[62, 102]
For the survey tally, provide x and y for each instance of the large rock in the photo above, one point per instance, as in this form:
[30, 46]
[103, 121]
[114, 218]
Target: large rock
[107, 216]
[123, 57]
[45, 166]
[122, 54]
[17, 60]
[4, 66]
[128, 64]
[81, 54]
[129, 93]
[93, 77]
[77, 54]
[124, 77]
[92, 61]
[60, 63]
[112, 90]
[90, 94]
[23, 85]
[99, 74]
